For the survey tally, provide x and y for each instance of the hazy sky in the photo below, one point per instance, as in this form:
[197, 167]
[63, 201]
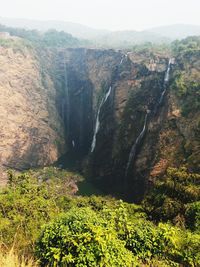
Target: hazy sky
[108, 14]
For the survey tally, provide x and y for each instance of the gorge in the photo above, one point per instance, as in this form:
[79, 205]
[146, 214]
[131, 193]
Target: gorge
[108, 114]
[99, 152]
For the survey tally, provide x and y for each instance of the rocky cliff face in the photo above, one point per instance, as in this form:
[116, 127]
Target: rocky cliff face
[60, 101]
[179, 137]
[86, 75]
[110, 90]
[31, 131]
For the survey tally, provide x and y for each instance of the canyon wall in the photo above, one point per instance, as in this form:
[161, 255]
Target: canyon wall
[57, 102]
[109, 94]
[31, 130]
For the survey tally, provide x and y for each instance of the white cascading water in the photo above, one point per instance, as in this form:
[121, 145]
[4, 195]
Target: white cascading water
[73, 143]
[124, 57]
[166, 79]
[138, 140]
[141, 135]
[97, 124]
[67, 94]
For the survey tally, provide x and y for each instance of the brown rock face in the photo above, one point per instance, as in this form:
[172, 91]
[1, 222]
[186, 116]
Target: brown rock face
[173, 135]
[31, 131]
[50, 100]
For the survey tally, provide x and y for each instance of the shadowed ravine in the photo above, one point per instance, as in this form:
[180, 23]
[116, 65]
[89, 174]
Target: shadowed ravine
[96, 161]
[93, 113]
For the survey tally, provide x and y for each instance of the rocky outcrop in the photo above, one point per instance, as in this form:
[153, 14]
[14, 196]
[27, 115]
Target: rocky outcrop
[179, 137]
[31, 131]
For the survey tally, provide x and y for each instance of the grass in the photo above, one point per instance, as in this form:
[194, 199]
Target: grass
[12, 259]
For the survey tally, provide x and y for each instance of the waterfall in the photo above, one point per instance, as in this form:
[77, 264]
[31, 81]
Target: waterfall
[166, 80]
[66, 89]
[137, 142]
[121, 60]
[124, 57]
[141, 135]
[104, 99]
[73, 143]
[97, 124]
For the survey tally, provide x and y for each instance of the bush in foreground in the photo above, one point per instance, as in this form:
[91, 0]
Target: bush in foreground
[81, 238]
[84, 237]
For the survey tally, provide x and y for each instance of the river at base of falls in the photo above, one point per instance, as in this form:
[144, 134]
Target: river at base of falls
[70, 162]
[86, 188]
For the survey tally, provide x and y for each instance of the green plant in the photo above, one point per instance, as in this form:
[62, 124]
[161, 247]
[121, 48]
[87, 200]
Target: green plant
[82, 238]
[31, 200]
[169, 197]
[193, 215]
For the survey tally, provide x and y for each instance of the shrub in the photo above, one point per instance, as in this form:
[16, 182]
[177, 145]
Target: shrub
[31, 200]
[193, 215]
[81, 238]
[169, 197]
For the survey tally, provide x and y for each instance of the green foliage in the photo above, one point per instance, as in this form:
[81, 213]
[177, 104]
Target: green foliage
[51, 38]
[82, 238]
[54, 38]
[186, 82]
[180, 246]
[144, 240]
[94, 231]
[180, 85]
[151, 49]
[29, 201]
[187, 45]
[106, 236]
[18, 45]
[170, 196]
[188, 90]
[193, 215]
[24, 207]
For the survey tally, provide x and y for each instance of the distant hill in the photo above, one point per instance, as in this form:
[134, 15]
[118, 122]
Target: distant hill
[177, 31]
[128, 38]
[106, 38]
[76, 29]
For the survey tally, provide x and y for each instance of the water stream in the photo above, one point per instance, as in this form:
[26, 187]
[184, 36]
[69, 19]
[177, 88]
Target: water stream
[166, 80]
[137, 142]
[97, 124]
[142, 133]
[104, 99]
[66, 89]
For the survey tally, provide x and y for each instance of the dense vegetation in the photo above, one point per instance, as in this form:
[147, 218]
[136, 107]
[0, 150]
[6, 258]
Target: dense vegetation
[176, 197]
[40, 216]
[186, 80]
[51, 38]
[185, 85]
